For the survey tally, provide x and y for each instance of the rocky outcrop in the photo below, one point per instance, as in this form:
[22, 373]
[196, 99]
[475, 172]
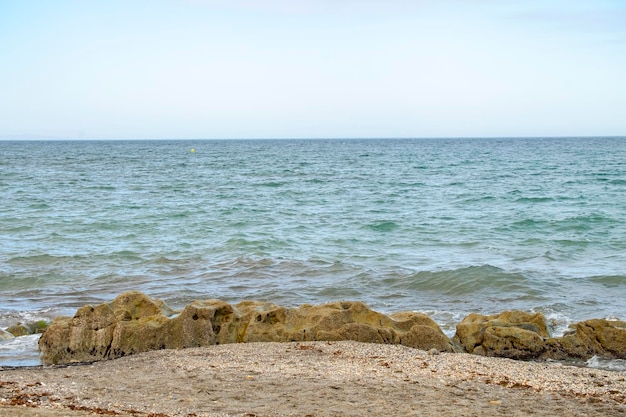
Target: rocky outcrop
[23, 329]
[135, 323]
[520, 335]
[597, 337]
[511, 334]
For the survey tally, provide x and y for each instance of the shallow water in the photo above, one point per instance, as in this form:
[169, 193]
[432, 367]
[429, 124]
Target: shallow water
[443, 226]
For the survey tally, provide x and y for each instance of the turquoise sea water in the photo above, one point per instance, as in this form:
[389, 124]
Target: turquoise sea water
[443, 226]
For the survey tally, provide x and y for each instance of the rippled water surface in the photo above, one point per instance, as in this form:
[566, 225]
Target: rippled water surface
[446, 226]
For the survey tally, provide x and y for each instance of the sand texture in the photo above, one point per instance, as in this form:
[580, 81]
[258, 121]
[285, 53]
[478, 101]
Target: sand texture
[310, 379]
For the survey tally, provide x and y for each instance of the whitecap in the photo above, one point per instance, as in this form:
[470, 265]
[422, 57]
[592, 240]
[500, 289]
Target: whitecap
[20, 351]
[607, 364]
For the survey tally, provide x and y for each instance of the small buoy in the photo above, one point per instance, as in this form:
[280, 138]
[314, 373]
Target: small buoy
[192, 150]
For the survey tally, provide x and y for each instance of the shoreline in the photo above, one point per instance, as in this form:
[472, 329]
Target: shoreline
[605, 364]
[134, 323]
[310, 378]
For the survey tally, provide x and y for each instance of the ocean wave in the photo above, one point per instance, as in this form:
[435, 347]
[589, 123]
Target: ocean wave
[383, 226]
[607, 364]
[579, 223]
[466, 281]
[534, 200]
[42, 259]
[609, 281]
[271, 184]
[20, 351]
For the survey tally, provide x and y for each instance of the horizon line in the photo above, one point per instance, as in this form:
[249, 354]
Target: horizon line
[17, 138]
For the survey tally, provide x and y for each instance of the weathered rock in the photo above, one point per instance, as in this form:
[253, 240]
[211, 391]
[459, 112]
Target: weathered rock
[341, 321]
[512, 342]
[597, 337]
[21, 329]
[511, 334]
[423, 333]
[135, 323]
[18, 329]
[89, 335]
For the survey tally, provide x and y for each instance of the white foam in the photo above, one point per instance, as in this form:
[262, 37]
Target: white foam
[558, 323]
[20, 351]
[10, 318]
[607, 364]
[20, 343]
[447, 320]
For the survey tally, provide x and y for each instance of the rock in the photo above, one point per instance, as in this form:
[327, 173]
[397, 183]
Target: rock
[341, 321]
[89, 335]
[597, 337]
[511, 334]
[135, 323]
[519, 335]
[4, 335]
[18, 329]
[512, 342]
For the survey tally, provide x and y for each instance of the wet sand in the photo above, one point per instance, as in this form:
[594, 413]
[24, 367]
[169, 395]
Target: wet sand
[310, 379]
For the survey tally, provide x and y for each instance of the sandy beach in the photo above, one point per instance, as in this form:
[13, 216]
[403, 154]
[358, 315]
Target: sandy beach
[310, 379]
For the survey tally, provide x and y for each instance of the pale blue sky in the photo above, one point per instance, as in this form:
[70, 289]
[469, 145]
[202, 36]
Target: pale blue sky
[311, 68]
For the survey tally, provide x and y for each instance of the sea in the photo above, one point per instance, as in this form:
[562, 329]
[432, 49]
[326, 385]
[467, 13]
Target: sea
[446, 227]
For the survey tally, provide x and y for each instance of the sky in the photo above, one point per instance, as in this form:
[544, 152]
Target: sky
[222, 69]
